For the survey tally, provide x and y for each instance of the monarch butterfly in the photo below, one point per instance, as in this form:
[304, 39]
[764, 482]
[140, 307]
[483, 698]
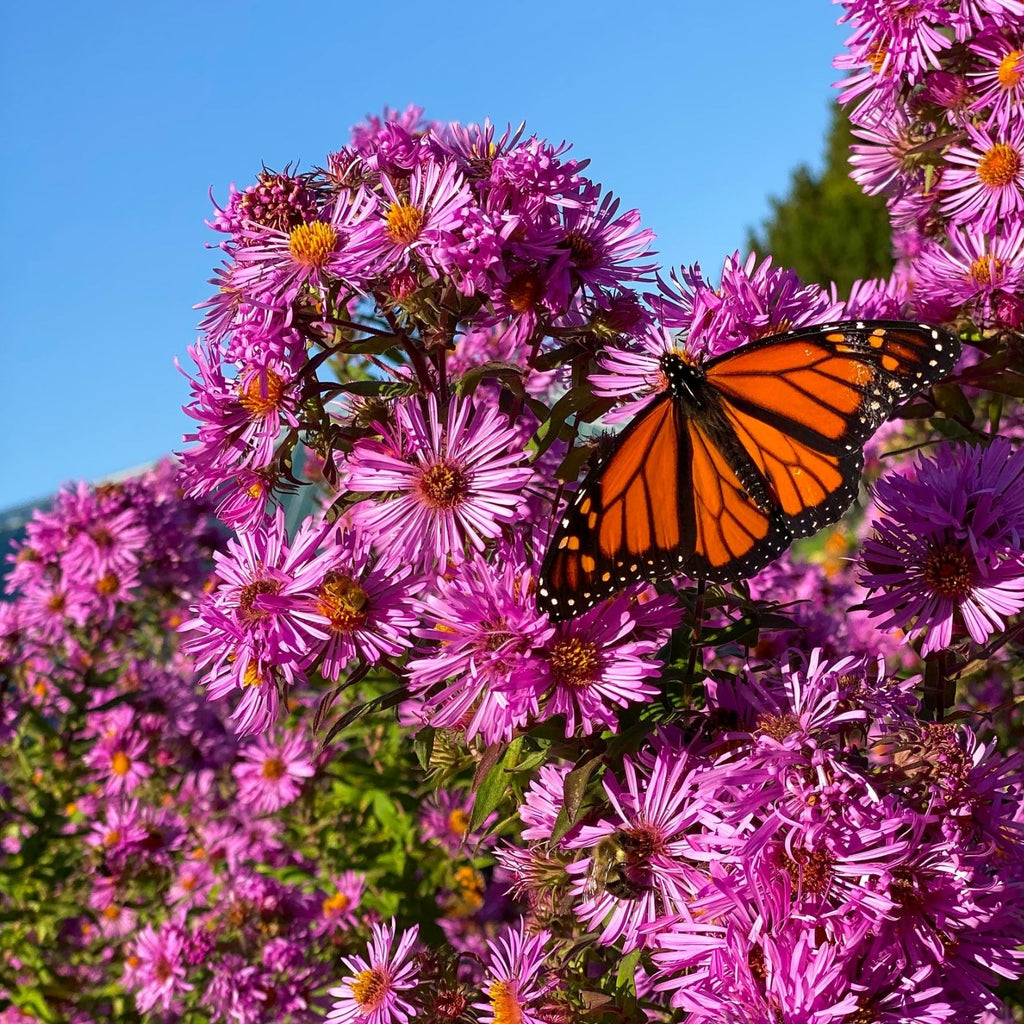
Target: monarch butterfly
[736, 458]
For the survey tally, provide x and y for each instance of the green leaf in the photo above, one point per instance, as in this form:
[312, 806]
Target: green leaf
[494, 785]
[625, 977]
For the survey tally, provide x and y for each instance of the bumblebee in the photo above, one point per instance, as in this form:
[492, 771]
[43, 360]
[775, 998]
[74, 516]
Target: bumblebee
[618, 866]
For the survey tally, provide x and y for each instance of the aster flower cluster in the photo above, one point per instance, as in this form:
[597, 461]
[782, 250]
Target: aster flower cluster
[154, 857]
[811, 851]
[720, 803]
[437, 314]
[937, 105]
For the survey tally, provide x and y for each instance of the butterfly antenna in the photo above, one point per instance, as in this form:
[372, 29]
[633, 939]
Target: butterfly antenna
[695, 630]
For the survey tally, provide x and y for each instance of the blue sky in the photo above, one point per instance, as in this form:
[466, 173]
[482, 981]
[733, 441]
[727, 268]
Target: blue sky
[117, 119]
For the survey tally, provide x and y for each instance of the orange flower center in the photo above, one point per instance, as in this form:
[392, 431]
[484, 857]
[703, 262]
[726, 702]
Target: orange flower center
[986, 269]
[263, 394]
[876, 59]
[312, 244]
[404, 223]
[120, 763]
[947, 571]
[999, 166]
[107, 584]
[458, 822]
[523, 291]
[444, 485]
[574, 662]
[336, 904]
[1011, 69]
[504, 1005]
[343, 601]
[273, 769]
[369, 989]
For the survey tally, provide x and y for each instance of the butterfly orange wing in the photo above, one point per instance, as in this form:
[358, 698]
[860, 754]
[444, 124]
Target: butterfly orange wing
[772, 451]
[629, 520]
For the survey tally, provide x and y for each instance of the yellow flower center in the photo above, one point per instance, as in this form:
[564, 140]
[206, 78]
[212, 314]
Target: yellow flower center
[504, 1004]
[999, 166]
[263, 394]
[120, 763]
[369, 989]
[986, 269]
[947, 571]
[112, 838]
[574, 662]
[253, 676]
[343, 601]
[1011, 69]
[443, 485]
[404, 223]
[312, 244]
[273, 769]
[111, 911]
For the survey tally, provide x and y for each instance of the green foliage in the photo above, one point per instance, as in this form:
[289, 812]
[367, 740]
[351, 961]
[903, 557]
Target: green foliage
[826, 228]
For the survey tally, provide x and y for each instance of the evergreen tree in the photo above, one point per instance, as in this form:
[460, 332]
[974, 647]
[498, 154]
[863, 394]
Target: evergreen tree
[826, 228]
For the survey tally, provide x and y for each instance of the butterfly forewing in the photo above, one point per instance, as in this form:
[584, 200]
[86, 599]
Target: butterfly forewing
[716, 478]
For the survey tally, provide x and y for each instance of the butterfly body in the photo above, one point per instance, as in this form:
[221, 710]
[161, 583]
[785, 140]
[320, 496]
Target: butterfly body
[735, 458]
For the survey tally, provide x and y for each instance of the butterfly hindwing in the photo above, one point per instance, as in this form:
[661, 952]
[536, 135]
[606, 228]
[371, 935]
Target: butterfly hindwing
[734, 537]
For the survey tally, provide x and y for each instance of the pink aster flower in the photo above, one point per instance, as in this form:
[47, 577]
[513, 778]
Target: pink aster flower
[240, 418]
[1000, 83]
[455, 481]
[262, 623]
[598, 663]
[444, 817]
[946, 550]
[374, 993]
[883, 162]
[908, 32]
[339, 908]
[516, 982]
[275, 265]
[417, 218]
[543, 799]
[655, 818]
[985, 181]
[271, 773]
[603, 248]
[979, 273]
[367, 601]
[155, 969]
[120, 758]
[635, 372]
[483, 673]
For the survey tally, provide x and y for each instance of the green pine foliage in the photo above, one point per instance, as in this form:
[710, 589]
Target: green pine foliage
[826, 228]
